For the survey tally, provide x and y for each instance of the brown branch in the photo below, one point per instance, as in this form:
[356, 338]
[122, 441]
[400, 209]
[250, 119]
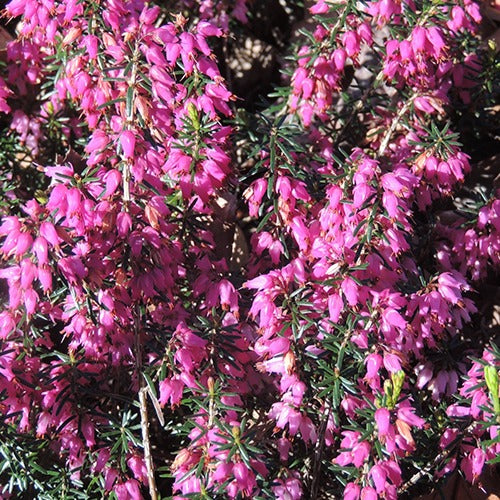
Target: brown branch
[395, 122]
[143, 405]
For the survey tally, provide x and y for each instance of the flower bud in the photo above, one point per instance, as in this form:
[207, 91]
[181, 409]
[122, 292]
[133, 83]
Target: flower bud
[193, 115]
[71, 36]
[397, 381]
[388, 389]
[211, 386]
[491, 378]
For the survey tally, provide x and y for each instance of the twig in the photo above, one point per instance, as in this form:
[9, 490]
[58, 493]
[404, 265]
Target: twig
[394, 124]
[318, 453]
[143, 405]
[148, 458]
[360, 103]
[320, 444]
[143, 387]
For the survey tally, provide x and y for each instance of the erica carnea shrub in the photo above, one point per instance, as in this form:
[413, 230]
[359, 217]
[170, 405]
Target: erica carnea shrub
[206, 297]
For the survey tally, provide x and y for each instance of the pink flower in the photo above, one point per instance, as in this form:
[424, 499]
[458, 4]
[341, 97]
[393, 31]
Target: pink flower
[245, 478]
[7, 324]
[350, 289]
[49, 234]
[170, 390]
[383, 420]
[228, 295]
[24, 242]
[368, 493]
[308, 430]
[352, 491]
[356, 452]
[335, 307]
[419, 39]
[127, 142]
[435, 37]
[30, 301]
[406, 414]
[123, 223]
[448, 437]
[72, 268]
[373, 363]
[392, 362]
[138, 467]
[112, 179]
[40, 249]
[288, 489]
[319, 7]
[351, 43]
[222, 472]
[339, 58]
[424, 375]
[300, 232]
[473, 465]
[129, 490]
[254, 195]
[423, 104]
[28, 272]
[379, 476]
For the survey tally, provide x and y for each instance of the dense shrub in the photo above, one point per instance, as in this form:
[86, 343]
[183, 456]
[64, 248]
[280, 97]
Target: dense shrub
[208, 297]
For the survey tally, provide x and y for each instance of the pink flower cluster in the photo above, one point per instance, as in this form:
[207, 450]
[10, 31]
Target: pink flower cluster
[108, 241]
[471, 246]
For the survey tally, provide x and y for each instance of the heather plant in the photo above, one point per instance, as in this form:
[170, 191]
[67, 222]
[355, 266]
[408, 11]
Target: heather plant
[202, 298]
